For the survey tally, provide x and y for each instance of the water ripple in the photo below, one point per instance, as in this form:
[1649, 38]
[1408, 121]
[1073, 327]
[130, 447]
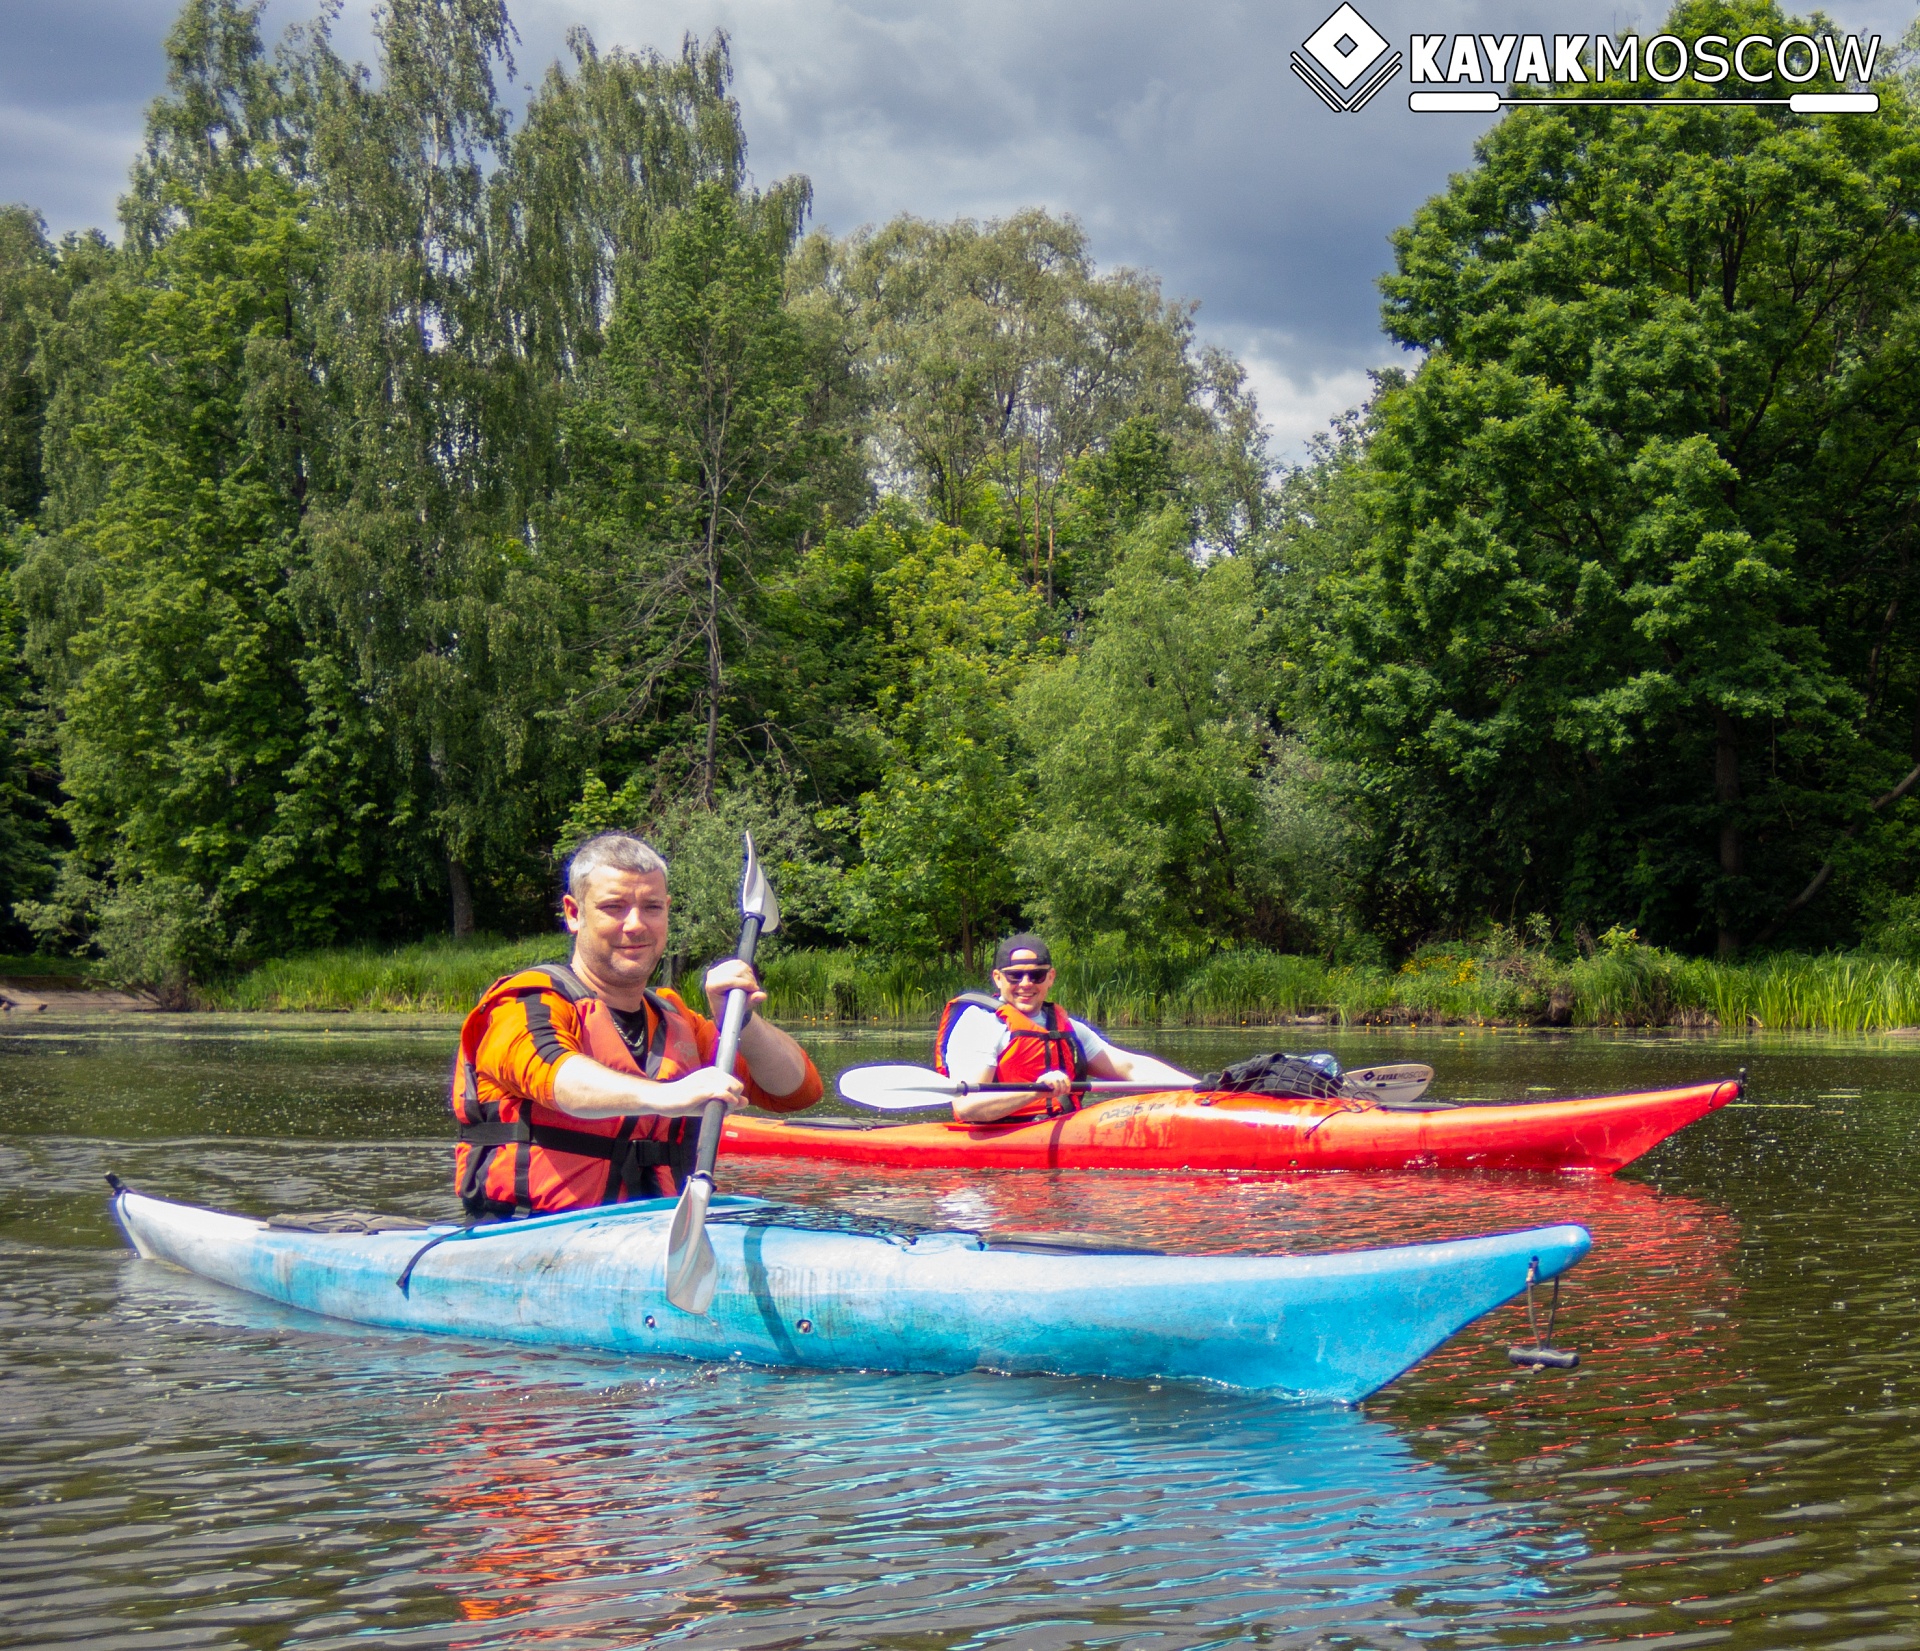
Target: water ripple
[1735, 1463]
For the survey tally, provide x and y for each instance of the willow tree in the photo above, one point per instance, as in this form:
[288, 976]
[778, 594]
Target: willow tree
[607, 146]
[470, 289]
[997, 358]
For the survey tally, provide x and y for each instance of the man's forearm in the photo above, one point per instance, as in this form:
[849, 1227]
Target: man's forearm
[585, 1088]
[986, 1109]
[778, 1064]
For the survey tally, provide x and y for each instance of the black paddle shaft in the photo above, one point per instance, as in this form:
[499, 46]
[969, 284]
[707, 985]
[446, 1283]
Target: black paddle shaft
[726, 1057]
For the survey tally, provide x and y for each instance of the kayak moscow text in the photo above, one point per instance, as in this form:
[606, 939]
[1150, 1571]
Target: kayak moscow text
[1346, 61]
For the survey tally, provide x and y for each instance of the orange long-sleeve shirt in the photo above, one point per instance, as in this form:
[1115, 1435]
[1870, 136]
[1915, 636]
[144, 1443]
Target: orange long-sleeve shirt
[529, 1036]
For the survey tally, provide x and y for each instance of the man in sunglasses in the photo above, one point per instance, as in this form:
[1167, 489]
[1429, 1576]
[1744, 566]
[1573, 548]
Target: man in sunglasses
[1021, 1037]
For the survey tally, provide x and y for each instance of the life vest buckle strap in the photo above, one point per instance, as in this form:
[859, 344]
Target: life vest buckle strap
[496, 1134]
[579, 1142]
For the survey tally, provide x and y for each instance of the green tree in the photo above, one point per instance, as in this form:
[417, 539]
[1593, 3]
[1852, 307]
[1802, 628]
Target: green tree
[143, 451]
[604, 150]
[937, 834]
[698, 457]
[1150, 747]
[185, 707]
[28, 282]
[1106, 495]
[29, 286]
[26, 763]
[423, 576]
[1614, 615]
[996, 358]
[218, 120]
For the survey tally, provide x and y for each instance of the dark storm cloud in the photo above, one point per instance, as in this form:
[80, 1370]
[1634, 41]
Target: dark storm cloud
[75, 79]
[1175, 132]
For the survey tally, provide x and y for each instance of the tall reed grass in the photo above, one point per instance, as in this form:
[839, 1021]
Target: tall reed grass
[1624, 984]
[431, 976]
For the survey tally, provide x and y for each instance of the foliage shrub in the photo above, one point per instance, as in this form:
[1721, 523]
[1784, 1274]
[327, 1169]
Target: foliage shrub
[1897, 933]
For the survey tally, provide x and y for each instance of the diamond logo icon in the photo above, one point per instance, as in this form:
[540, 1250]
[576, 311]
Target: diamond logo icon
[1346, 46]
[1345, 49]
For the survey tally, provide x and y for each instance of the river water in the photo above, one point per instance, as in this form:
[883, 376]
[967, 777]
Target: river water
[1736, 1463]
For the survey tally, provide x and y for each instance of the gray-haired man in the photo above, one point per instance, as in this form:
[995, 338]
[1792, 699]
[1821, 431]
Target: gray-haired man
[577, 1083]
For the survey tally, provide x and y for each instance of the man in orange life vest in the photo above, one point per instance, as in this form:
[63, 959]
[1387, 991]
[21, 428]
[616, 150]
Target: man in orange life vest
[576, 1084]
[1023, 1036]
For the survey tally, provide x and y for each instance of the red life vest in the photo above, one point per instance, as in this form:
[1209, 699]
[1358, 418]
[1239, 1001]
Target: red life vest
[518, 1157]
[1034, 1045]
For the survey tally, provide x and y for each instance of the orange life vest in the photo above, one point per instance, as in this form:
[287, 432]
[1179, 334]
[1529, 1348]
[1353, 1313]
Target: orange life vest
[518, 1157]
[1045, 1044]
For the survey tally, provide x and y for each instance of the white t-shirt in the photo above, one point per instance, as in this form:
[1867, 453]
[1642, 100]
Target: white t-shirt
[979, 1039]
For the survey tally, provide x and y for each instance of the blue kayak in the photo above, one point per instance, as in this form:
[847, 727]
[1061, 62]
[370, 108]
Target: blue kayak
[796, 1289]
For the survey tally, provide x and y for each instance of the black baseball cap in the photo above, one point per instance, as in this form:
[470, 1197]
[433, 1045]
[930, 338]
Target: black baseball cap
[1022, 943]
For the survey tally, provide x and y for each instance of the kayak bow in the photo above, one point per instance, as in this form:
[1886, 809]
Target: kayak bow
[1330, 1327]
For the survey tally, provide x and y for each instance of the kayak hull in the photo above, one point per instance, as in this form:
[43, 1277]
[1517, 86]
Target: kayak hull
[1328, 1327]
[1184, 1130]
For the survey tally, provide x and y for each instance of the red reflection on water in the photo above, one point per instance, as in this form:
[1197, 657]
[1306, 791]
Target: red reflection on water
[529, 1527]
[1653, 1307]
[1247, 1212]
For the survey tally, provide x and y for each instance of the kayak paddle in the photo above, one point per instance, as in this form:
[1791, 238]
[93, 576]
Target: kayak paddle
[691, 1271]
[898, 1088]
[902, 1088]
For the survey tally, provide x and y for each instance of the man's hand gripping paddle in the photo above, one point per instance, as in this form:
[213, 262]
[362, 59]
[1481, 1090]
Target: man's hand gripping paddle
[690, 1266]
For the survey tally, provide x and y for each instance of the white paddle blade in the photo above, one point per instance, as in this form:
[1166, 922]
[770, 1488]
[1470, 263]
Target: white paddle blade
[691, 1270]
[884, 1088]
[1388, 1083]
[756, 893]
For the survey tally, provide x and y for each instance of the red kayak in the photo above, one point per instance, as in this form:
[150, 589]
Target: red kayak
[1183, 1129]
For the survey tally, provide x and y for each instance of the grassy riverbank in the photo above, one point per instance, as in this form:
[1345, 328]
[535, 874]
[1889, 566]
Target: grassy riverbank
[1620, 984]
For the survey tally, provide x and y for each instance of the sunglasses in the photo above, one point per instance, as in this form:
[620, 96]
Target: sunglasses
[1026, 976]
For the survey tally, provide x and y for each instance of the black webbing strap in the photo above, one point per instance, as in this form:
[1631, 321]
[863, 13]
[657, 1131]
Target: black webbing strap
[1077, 1057]
[609, 1148]
[406, 1272]
[629, 1162]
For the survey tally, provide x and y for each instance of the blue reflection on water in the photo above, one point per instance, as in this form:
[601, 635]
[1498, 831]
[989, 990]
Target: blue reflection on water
[575, 1501]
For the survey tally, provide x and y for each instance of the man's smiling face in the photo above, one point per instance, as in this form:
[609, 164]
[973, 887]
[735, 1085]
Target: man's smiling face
[620, 925]
[1024, 982]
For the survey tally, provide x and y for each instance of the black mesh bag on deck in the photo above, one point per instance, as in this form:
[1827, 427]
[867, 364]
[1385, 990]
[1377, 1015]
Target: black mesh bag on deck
[1297, 1077]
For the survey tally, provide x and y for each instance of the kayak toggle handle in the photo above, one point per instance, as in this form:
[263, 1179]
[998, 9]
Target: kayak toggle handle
[1542, 1354]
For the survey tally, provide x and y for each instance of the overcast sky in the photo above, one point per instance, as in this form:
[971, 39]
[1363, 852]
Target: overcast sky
[1174, 130]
